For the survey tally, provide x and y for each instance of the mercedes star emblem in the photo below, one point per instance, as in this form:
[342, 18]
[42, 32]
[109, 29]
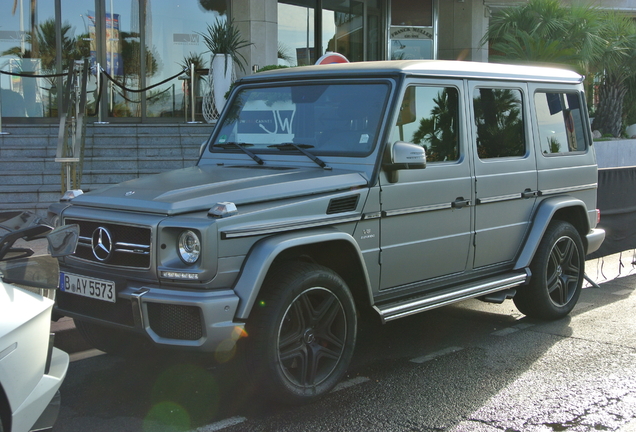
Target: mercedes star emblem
[102, 244]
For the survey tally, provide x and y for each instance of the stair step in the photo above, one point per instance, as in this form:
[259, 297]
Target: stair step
[30, 178]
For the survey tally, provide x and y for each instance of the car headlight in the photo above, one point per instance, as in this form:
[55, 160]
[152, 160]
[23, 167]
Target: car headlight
[189, 247]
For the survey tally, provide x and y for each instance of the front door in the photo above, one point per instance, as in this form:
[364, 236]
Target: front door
[426, 213]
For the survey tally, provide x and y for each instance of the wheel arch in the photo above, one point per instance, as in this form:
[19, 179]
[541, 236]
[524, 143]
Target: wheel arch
[564, 208]
[333, 249]
[5, 411]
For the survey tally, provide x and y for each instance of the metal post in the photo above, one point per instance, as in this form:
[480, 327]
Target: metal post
[192, 93]
[99, 101]
[1, 133]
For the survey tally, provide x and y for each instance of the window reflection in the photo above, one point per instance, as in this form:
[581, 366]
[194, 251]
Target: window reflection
[76, 29]
[27, 45]
[172, 42]
[429, 116]
[349, 27]
[499, 123]
[296, 34]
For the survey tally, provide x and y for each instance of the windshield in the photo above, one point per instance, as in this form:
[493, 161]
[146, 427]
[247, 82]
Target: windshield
[334, 118]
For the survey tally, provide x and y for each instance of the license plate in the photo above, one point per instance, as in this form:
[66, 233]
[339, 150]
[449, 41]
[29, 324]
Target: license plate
[99, 289]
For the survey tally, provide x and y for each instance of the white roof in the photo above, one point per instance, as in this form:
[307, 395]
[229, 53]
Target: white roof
[437, 68]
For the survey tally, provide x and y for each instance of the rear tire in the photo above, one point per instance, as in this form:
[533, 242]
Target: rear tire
[557, 274]
[301, 332]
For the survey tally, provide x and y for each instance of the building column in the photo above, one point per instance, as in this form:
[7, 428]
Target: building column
[257, 20]
[462, 24]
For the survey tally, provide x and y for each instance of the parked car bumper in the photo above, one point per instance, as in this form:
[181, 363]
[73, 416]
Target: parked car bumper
[44, 398]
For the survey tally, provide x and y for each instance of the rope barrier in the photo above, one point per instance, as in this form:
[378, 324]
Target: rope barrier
[143, 89]
[100, 84]
[32, 75]
[154, 96]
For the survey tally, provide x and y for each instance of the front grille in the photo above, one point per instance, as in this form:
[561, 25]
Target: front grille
[127, 246]
[118, 313]
[175, 322]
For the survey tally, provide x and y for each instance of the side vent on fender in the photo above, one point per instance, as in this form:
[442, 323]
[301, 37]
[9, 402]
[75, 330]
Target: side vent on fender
[341, 205]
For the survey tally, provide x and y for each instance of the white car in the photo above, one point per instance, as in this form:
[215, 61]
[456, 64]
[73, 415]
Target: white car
[31, 369]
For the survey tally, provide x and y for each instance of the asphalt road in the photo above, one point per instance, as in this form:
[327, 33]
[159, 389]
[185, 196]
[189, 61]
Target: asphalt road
[468, 367]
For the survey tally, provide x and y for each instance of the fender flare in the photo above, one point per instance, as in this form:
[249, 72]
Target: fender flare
[544, 215]
[264, 252]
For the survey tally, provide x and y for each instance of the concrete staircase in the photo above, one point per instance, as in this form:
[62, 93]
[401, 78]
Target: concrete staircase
[30, 178]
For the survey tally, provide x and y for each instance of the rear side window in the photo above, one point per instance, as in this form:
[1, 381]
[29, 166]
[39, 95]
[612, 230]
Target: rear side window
[499, 123]
[429, 117]
[560, 122]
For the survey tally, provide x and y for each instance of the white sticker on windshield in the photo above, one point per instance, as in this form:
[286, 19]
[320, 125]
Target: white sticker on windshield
[364, 138]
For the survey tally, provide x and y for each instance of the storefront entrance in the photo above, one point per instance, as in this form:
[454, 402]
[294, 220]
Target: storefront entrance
[309, 28]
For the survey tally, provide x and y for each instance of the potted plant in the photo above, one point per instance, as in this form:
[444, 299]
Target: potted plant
[224, 41]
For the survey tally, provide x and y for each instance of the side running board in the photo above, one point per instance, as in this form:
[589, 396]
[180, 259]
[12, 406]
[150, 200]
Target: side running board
[413, 305]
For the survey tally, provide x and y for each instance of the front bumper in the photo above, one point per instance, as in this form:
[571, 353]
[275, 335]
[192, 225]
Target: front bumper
[198, 320]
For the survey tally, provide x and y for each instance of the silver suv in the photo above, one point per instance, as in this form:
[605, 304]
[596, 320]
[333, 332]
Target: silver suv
[326, 192]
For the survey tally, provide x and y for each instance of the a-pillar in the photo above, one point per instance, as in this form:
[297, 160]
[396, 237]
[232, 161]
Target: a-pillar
[257, 20]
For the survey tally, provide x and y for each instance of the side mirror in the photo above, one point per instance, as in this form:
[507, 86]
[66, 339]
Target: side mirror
[404, 156]
[41, 271]
[63, 240]
[407, 156]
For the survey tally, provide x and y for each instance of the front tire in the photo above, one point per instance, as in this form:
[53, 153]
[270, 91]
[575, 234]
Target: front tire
[557, 274]
[302, 332]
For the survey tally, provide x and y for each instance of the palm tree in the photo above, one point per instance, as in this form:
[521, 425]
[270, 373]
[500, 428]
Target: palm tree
[546, 31]
[615, 67]
[598, 44]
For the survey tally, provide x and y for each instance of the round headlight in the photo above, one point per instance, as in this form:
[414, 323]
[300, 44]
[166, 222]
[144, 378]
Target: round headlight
[189, 247]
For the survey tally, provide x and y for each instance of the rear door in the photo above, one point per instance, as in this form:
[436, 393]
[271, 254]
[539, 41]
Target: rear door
[505, 170]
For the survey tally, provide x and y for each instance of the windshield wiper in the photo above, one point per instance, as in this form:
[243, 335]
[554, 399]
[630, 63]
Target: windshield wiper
[243, 149]
[301, 148]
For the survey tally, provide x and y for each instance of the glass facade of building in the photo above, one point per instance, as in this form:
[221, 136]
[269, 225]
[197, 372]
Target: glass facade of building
[139, 43]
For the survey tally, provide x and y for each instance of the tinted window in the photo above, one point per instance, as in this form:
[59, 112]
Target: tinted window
[560, 122]
[429, 117]
[326, 118]
[499, 123]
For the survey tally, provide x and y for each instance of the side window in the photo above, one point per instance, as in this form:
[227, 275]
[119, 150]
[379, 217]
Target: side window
[499, 123]
[429, 116]
[560, 122]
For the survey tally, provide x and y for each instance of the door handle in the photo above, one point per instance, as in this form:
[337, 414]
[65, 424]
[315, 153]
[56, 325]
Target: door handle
[529, 194]
[460, 202]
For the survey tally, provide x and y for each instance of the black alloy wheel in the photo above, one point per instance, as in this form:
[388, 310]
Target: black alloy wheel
[557, 271]
[301, 332]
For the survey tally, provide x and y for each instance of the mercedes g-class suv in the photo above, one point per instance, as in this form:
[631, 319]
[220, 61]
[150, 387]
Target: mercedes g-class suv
[328, 191]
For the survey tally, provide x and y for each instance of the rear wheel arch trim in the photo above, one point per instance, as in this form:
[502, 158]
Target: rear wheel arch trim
[5, 411]
[542, 218]
[263, 254]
